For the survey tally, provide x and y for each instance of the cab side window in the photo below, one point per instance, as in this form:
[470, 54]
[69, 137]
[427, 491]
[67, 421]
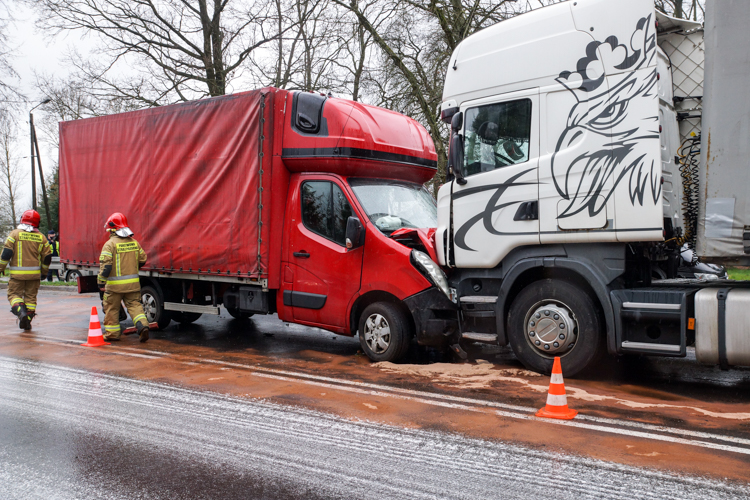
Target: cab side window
[497, 135]
[325, 210]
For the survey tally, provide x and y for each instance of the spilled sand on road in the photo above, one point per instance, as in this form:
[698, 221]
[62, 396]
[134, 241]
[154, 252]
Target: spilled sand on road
[471, 376]
[482, 374]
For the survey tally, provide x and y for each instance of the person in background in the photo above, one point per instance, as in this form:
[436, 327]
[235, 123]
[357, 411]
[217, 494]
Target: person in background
[55, 246]
[29, 256]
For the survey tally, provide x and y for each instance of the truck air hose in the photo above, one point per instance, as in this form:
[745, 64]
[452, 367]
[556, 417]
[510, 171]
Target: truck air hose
[689, 159]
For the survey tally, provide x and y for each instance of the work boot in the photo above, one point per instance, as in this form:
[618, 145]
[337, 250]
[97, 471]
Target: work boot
[24, 322]
[142, 332]
[111, 339]
[30, 315]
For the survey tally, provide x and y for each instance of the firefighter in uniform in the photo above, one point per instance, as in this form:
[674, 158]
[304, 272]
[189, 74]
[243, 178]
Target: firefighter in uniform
[29, 256]
[119, 262]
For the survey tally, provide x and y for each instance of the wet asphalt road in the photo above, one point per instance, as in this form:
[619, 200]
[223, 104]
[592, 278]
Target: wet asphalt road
[69, 433]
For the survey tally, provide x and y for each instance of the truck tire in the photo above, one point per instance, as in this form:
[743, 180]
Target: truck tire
[72, 275]
[153, 307]
[185, 318]
[552, 318]
[237, 314]
[384, 332]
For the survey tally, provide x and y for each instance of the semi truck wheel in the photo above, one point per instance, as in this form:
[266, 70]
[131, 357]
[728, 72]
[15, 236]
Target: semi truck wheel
[555, 318]
[384, 332]
[153, 307]
[237, 314]
[185, 317]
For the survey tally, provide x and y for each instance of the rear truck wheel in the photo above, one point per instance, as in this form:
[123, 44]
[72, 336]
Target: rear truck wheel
[184, 317]
[153, 307]
[552, 318]
[384, 332]
[237, 314]
[72, 275]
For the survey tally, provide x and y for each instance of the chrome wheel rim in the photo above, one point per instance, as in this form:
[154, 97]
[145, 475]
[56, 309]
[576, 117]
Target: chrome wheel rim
[551, 328]
[377, 333]
[149, 306]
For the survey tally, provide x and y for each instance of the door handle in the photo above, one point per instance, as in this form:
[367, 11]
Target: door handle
[301, 255]
[528, 210]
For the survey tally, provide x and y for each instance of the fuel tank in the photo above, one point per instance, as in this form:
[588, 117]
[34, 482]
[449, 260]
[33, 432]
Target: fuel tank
[736, 329]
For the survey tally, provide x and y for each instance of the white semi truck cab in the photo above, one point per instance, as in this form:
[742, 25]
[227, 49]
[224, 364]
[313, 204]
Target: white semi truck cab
[566, 194]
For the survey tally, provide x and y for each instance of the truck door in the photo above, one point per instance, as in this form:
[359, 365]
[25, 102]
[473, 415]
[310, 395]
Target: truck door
[326, 276]
[497, 209]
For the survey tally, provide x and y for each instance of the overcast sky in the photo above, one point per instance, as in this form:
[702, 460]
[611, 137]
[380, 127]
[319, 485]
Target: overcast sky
[34, 53]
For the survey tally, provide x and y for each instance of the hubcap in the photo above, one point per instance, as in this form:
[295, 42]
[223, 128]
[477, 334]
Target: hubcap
[551, 328]
[377, 333]
[149, 307]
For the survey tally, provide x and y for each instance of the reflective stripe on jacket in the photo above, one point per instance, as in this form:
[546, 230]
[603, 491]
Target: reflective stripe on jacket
[123, 256]
[29, 250]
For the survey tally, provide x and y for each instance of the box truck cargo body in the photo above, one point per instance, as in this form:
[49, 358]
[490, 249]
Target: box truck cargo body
[260, 202]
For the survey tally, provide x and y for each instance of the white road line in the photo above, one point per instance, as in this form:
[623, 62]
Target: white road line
[520, 416]
[77, 343]
[608, 425]
[628, 432]
[479, 402]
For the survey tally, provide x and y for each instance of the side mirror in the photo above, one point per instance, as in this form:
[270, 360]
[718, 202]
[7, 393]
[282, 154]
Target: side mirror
[355, 233]
[456, 157]
[457, 122]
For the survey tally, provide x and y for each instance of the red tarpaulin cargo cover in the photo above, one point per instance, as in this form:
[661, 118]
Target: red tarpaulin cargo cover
[187, 176]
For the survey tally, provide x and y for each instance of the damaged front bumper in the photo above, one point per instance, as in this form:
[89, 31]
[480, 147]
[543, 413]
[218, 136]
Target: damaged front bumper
[435, 318]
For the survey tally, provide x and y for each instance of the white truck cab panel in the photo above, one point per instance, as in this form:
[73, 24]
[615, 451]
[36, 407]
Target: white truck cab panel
[594, 167]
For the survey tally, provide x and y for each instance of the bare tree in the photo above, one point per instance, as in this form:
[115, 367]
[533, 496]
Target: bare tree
[173, 49]
[683, 9]
[415, 39]
[308, 56]
[71, 99]
[9, 93]
[10, 173]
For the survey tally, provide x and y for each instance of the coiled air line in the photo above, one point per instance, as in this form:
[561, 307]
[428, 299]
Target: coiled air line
[689, 159]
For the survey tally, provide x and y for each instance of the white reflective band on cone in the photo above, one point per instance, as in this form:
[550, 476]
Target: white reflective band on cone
[556, 378]
[553, 400]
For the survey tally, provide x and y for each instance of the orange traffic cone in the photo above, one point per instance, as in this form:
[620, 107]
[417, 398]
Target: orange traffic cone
[95, 331]
[557, 401]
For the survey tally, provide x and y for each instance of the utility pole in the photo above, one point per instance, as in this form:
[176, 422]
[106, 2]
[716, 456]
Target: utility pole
[35, 144]
[41, 179]
[33, 167]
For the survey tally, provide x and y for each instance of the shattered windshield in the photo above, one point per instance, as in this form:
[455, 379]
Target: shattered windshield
[391, 205]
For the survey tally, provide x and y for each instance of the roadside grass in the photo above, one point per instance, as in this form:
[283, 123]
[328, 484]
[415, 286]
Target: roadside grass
[738, 274]
[60, 283]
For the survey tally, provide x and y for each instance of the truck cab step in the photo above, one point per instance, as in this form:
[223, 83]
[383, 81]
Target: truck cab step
[653, 320]
[487, 338]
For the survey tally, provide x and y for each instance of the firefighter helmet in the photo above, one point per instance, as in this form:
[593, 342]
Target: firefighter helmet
[30, 217]
[118, 224]
[116, 221]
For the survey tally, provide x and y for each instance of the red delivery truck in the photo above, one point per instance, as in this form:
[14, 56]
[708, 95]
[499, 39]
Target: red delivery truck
[263, 202]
